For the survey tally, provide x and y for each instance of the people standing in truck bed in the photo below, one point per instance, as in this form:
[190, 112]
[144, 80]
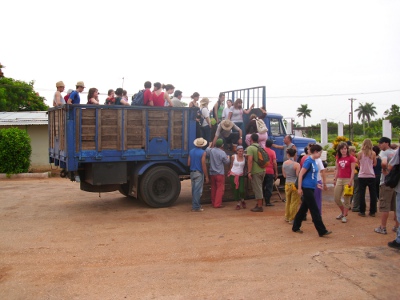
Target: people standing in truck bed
[169, 90]
[236, 113]
[227, 109]
[111, 97]
[219, 108]
[158, 97]
[119, 100]
[74, 97]
[253, 128]
[58, 99]
[195, 97]
[205, 123]
[147, 93]
[176, 100]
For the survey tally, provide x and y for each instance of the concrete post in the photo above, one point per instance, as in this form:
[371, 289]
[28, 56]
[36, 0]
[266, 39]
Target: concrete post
[324, 132]
[387, 129]
[340, 129]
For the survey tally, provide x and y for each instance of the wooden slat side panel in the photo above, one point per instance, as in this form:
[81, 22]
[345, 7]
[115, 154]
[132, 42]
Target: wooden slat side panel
[134, 129]
[158, 124]
[109, 129]
[88, 128]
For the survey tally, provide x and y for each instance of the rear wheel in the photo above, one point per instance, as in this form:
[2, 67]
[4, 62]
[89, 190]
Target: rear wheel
[160, 187]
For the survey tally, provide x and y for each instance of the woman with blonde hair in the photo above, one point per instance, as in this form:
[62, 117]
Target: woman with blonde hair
[366, 177]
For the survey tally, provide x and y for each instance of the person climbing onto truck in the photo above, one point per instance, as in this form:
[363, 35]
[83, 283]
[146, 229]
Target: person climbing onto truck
[236, 113]
[253, 128]
[225, 132]
[198, 172]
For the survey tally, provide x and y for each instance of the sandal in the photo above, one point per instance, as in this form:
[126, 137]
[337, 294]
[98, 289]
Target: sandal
[395, 228]
[243, 204]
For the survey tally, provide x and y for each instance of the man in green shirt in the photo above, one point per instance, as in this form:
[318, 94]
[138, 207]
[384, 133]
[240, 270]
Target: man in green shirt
[256, 173]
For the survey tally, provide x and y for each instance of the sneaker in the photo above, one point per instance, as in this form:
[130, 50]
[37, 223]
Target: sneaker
[243, 204]
[394, 245]
[257, 209]
[297, 231]
[197, 210]
[371, 214]
[237, 207]
[395, 228]
[361, 214]
[326, 233]
[339, 217]
[291, 222]
[344, 219]
[380, 230]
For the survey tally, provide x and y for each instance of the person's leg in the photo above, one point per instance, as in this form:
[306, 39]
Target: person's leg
[298, 219]
[372, 196]
[268, 185]
[256, 183]
[288, 193]
[386, 194]
[362, 184]
[206, 135]
[234, 189]
[398, 216]
[295, 205]
[338, 192]
[318, 197]
[377, 182]
[220, 183]
[197, 180]
[356, 194]
[312, 206]
[213, 189]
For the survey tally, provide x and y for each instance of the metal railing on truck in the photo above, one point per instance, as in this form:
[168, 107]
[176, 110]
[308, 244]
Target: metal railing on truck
[256, 95]
[93, 133]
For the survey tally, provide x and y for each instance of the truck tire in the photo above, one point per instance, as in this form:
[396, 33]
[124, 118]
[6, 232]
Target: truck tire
[160, 187]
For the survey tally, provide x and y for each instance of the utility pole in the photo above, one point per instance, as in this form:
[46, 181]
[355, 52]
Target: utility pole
[123, 79]
[351, 120]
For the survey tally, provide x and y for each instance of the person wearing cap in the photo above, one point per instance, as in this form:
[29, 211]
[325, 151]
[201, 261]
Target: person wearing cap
[218, 159]
[74, 97]
[225, 132]
[205, 125]
[119, 100]
[236, 176]
[387, 195]
[256, 173]
[58, 100]
[198, 172]
[176, 100]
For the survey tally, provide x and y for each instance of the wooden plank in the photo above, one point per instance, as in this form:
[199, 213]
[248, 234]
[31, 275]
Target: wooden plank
[99, 130]
[77, 126]
[125, 129]
[119, 129]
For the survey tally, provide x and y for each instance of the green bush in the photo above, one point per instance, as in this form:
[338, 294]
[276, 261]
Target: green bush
[15, 151]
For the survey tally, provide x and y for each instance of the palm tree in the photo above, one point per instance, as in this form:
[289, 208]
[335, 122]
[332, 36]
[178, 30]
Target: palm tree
[304, 111]
[366, 111]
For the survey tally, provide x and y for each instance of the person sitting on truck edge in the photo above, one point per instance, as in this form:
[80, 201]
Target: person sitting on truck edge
[206, 123]
[287, 144]
[198, 172]
[218, 159]
[256, 173]
[93, 96]
[111, 97]
[147, 93]
[176, 100]
[252, 128]
[227, 109]
[119, 100]
[271, 174]
[58, 100]
[74, 97]
[225, 132]
[236, 113]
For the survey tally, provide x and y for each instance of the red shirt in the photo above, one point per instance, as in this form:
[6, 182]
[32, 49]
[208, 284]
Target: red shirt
[158, 100]
[272, 157]
[146, 96]
[303, 159]
[344, 166]
[66, 97]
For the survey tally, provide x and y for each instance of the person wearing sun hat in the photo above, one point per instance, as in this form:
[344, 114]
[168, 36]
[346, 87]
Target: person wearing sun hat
[74, 97]
[198, 172]
[224, 131]
[58, 100]
[218, 159]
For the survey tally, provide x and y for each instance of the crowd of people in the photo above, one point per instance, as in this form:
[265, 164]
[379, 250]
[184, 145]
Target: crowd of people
[305, 179]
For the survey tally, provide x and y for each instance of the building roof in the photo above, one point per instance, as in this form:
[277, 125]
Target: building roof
[23, 118]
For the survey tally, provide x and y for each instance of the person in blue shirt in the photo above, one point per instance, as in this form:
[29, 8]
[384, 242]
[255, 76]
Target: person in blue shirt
[307, 183]
[198, 172]
[74, 97]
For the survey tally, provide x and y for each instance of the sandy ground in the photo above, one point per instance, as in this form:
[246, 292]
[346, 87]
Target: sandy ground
[58, 242]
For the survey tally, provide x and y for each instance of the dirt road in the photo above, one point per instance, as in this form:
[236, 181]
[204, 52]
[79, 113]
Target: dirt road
[58, 242]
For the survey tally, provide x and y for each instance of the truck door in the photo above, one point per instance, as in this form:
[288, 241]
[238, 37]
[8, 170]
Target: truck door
[277, 133]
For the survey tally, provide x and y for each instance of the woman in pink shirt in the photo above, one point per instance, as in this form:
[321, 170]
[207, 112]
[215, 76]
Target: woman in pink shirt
[345, 166]
[366, 177]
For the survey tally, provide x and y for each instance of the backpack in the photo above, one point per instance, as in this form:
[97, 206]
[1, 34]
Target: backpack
[199, 115]
[137, 99]
[393, 177]
[262, 157]
[261, 127]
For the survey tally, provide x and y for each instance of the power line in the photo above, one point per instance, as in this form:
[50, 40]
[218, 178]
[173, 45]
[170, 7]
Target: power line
[333, 95]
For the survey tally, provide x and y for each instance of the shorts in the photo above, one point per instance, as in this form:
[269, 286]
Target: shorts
[387, 199]
[257, 184]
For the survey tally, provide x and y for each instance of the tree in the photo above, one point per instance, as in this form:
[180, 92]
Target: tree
[365, 112]
[304, 111]
[16, 95]
[393, 114]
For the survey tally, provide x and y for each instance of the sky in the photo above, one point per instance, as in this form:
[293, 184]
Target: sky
[319, 53]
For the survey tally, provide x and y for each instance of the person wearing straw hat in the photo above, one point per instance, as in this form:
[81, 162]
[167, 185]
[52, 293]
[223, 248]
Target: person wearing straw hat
[198, 172]
[224, 131]
[74, 97]
[206, 123]
[58, 100]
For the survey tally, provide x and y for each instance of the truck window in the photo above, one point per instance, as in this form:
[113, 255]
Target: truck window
[277, 128]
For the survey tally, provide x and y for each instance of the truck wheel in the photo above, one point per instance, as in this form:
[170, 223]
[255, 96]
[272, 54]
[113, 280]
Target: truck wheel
[160, 187]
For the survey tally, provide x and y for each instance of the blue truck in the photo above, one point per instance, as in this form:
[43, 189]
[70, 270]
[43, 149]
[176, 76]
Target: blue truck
[140, 151]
